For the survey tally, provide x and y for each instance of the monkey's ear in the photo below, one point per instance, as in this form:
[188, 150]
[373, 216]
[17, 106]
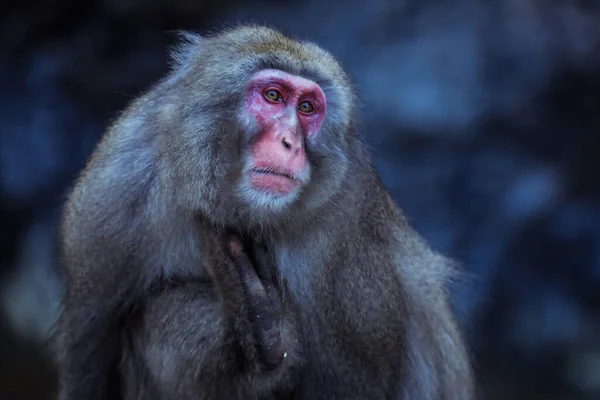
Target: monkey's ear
[188, 46]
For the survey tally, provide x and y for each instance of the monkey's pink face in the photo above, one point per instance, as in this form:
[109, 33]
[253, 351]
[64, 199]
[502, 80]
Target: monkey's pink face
[289, 111]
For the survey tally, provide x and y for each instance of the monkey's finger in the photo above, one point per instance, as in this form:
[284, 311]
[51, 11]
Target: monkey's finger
[257, 296]
[264, 303]
[270, 342]
[263, 264]
[274, 295]
[268, 328]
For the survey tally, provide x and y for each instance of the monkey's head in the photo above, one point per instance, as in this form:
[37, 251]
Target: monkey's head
[263, 127]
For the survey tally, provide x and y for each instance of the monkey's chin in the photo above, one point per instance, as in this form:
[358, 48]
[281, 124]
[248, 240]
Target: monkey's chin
[272, 183]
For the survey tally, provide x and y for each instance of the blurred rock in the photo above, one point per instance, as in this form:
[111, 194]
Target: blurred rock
[483, 116]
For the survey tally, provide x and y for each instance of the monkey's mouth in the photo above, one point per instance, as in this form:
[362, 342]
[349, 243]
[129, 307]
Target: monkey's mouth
[273, 171]
[278, 181]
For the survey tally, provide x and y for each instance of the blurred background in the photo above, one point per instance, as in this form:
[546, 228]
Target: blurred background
[483, 116]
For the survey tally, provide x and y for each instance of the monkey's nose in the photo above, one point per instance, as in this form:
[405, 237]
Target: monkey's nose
[291, 144]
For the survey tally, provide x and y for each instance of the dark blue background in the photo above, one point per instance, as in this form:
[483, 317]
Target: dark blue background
[484, 118]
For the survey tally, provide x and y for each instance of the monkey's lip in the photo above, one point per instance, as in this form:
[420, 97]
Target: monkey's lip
[273, 180]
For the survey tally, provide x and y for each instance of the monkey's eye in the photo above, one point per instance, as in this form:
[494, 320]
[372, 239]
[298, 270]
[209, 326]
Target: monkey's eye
[305, 107]
[273, 95]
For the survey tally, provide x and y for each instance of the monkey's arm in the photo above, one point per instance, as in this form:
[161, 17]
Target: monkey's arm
[258, 298]
[89, 344]
[220, 339]
[386, 327]
[190, 351]
[434, 362]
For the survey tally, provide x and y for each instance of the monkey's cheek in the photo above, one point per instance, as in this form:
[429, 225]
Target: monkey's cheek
[278, 185]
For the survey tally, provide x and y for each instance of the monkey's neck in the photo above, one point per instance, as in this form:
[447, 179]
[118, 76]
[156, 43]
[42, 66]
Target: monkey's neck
[358, 195]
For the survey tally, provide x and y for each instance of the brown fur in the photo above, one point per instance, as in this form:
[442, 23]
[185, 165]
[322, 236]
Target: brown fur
[364, 311]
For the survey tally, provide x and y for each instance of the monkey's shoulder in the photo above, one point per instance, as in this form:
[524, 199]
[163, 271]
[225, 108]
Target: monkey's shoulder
[388, 240]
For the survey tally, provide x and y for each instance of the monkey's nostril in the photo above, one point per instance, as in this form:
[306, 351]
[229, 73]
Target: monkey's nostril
[286, 144]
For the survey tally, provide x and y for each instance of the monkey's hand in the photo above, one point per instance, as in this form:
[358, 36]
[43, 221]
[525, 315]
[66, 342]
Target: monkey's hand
[262, 299]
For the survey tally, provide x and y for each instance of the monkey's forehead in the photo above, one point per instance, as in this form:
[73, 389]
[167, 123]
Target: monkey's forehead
[232, 55]
[254, 42]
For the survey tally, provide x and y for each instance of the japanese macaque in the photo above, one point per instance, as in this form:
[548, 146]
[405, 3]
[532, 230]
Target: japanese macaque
[230, 238]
